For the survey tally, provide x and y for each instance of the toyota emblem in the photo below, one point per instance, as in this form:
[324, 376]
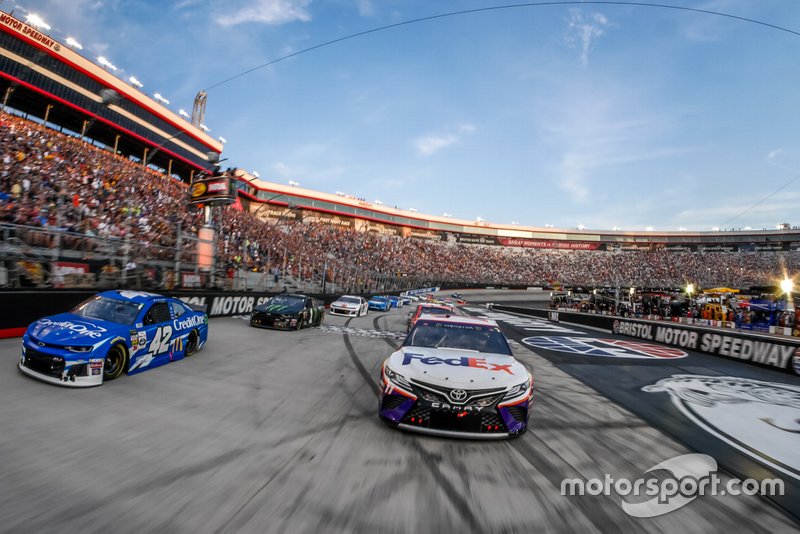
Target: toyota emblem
[40, 343]
[458, 395]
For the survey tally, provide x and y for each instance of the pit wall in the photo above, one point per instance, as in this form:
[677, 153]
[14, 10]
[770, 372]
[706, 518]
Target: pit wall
[18, 309]
[777, 352]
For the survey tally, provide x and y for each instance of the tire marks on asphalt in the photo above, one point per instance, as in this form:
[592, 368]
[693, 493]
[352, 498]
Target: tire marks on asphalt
[430, 460]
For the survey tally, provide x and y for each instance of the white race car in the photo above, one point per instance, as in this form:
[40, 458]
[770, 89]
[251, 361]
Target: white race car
[349, 305]
[456, 376]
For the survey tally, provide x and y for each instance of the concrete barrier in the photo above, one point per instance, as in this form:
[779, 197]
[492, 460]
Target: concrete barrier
[758, 349]
[21, 307]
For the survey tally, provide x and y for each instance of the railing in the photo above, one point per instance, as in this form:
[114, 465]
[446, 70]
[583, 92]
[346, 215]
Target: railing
[45, 257]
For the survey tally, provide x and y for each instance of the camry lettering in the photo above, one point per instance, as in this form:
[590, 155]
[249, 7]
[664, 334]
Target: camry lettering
[476, 363]
[445, 406]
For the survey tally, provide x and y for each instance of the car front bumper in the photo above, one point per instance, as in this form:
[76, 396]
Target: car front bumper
[41, 365]
[347, 312]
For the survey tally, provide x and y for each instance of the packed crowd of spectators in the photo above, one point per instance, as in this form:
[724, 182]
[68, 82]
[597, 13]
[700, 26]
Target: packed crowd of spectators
[105, 203]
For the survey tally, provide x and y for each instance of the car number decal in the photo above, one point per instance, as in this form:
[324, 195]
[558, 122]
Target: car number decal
[161, 339]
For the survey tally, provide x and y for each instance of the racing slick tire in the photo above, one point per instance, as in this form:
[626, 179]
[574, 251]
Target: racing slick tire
[192, 343]
[300, 321]
[116, 362]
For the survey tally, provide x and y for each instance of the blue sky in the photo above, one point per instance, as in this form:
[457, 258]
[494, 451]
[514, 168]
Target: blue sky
[599, 115]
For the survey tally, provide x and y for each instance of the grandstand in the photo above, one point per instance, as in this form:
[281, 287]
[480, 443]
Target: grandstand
[51, 82]
[266, 199]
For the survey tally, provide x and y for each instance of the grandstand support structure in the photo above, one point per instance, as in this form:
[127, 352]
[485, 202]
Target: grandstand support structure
[199, 109]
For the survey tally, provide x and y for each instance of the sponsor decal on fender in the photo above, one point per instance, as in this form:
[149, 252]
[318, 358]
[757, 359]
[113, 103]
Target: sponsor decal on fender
[612, 348]
[476, 363]
[758, 418]
[189, 322]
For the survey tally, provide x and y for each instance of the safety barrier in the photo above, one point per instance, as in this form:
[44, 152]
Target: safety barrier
[760, 349]
[21, 308]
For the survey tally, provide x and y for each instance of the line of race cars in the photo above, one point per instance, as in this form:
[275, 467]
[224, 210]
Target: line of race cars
[454, 375]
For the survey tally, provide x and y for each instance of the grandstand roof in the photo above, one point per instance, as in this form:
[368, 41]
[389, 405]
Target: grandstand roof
[48, 79]
[511, 235]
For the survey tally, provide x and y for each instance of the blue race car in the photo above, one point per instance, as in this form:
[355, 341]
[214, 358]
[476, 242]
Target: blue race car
[396, 302]
[379, 303]
[112, 333]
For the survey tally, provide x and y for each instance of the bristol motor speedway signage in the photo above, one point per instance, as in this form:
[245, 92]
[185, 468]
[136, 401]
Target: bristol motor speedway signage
[225, 305]
[772, 352]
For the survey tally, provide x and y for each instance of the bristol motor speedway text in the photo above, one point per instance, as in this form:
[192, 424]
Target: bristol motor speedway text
[764, 352]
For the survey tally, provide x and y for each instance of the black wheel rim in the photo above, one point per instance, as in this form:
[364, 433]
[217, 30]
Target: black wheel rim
[114, 362]
[191, 344]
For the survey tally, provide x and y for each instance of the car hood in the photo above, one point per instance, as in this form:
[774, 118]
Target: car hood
[458, 368]
[277, 309]
[342, 304]
[68, 328]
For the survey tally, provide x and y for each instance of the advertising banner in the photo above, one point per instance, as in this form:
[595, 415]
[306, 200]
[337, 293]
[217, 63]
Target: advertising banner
[538, 243]
[777, 352]
[63, 268]
[773, 352]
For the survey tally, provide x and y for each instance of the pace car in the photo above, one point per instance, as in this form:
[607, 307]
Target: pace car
[349, 305]
[112, 333]
[456, 376]
[288, 311]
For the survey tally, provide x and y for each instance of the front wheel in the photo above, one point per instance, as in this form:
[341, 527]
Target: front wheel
[299, 322]
[115, 363]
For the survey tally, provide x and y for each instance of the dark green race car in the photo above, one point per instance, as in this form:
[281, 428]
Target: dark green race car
[288, 312]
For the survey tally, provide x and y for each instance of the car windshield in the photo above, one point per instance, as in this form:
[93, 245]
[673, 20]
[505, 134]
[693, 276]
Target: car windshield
[434, 334]
[284, 304]
[378, 299]
[350, 300]
[436, 311]
[106, 309]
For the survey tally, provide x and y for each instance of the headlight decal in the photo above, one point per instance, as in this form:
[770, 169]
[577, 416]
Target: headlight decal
[396, 383]
[519, 393]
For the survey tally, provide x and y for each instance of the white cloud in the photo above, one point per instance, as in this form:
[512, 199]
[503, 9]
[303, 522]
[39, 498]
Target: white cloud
[431, 144]
[584, 30]
[595, 135]
[365, 8]
[773, 154]
[268, 12]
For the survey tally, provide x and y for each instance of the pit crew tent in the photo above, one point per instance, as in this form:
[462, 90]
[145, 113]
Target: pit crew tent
[721, 290]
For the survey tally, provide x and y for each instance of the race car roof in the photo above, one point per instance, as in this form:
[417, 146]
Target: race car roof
[139, 297]
[457, 319]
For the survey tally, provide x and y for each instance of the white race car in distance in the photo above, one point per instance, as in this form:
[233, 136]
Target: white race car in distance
[349, 305]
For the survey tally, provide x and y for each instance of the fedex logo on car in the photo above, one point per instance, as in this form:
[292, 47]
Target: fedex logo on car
[477, 363]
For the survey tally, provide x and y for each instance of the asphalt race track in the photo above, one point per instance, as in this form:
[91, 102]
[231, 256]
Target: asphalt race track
[266, 431]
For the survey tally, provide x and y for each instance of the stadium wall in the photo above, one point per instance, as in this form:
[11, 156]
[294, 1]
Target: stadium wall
[767, 351]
